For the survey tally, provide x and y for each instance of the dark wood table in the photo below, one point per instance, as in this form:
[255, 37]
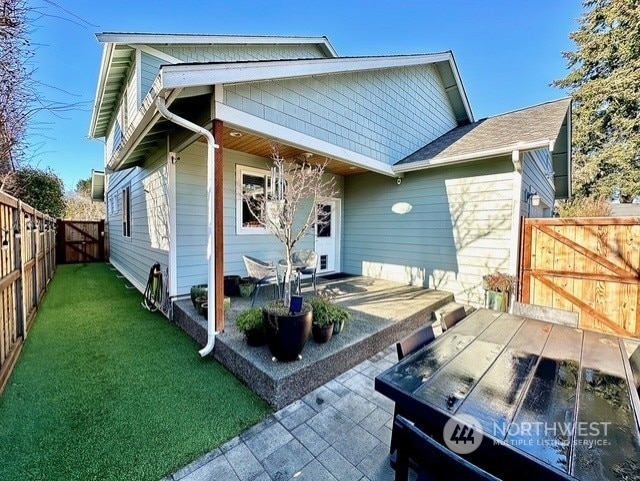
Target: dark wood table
[553, 402]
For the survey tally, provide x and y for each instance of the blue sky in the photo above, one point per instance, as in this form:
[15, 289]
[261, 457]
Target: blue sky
[508, 52]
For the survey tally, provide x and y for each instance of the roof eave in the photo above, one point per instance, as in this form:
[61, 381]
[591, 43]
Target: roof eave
[107, 53]
[471, 156]
[190, 75]
[155, 39]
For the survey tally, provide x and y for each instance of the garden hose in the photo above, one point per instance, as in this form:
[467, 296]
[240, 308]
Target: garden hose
[154, 294]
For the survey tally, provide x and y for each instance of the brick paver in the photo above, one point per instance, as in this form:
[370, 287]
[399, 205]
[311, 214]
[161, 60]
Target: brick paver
[339, 431]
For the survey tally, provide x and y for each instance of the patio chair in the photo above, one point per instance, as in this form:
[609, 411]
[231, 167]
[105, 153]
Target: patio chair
[414, 341]
[450, 316]
[547, 314]
[309, 259]
[431, 460]
[262, 274]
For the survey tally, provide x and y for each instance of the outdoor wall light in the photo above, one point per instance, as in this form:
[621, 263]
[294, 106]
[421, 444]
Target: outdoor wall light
[399, 180]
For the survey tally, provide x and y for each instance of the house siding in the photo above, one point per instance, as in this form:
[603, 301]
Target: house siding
[458, 229]
[232, 53]
[148, 243]
[536, 166]
[149, 69]
[192, 219]
[386, 114]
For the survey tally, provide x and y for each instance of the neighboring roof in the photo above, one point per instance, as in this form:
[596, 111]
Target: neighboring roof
[525, 129]
[118, 56]
[624, 210]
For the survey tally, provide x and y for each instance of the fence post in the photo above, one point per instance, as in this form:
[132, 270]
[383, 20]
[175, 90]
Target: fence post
[34, 245]
[21, 320]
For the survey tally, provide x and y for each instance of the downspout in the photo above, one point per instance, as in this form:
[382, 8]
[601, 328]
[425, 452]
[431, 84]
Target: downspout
[211, 259]
[516, 159]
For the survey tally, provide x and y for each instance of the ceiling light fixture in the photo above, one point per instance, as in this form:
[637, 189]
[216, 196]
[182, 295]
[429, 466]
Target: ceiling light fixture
[235, 134]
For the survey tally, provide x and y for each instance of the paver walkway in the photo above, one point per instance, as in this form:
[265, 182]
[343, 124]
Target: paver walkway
[341, 431]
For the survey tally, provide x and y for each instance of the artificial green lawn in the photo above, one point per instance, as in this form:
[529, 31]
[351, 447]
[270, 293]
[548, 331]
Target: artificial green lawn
[106, 390]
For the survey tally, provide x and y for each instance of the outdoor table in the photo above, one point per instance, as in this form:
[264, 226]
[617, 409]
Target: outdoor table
[552, 402]
[297, 267]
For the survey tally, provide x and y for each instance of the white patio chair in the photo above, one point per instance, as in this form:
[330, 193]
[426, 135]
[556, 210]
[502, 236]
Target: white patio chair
[262, 274]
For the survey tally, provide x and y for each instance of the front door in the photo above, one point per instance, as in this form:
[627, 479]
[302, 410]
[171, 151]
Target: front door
[328, 237]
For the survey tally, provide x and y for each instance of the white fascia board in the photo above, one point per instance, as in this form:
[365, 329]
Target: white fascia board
[188, 75]
[105, 64]
[481, 154]
[168, 39]
[264, 128]
[462, 91]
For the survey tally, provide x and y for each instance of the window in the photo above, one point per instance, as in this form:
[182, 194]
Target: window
[126, 211]
[255, 182]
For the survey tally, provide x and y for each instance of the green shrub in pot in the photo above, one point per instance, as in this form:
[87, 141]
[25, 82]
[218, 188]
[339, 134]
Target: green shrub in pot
[251, 323]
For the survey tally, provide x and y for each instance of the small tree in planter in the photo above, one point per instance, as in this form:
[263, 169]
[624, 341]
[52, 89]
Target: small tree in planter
[290, 208]
[499, 287]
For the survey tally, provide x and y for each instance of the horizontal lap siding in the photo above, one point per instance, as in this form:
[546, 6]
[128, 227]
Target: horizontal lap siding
[135, 255]
[192, 219]
[534, 178]
[458, 229]
[385, 115]
[232, 53]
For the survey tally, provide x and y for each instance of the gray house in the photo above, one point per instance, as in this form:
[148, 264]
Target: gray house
[428, 195]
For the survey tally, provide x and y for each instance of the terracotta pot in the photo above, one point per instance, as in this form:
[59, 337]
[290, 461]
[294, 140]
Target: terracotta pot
[287, 334]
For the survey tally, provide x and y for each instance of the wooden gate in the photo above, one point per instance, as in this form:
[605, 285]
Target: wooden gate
[80, 241]
[586, 265]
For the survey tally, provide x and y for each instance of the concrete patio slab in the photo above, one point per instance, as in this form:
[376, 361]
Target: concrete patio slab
[383, 312]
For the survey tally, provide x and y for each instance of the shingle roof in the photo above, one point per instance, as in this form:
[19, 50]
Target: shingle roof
[539, 123]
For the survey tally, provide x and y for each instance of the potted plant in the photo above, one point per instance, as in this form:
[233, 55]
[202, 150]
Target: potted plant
[322, 326]
[199, 290]
[246, 287]
[499, 287]
[289, 207]
[339, 316]
[250, 322]
[199, 303]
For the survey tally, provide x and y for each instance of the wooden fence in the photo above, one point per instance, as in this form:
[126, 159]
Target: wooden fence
[27, 264]
[586, 265]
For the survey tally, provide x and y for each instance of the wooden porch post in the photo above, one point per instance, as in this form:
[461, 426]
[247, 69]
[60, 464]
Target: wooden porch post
[219, 226]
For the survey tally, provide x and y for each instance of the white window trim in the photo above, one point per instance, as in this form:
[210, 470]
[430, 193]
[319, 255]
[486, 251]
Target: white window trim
[240, 171]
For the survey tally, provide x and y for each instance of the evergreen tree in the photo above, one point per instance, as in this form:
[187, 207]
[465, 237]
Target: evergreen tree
[604, 81]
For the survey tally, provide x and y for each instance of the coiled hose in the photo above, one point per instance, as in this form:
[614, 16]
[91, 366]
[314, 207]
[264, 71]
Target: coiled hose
[154, 292]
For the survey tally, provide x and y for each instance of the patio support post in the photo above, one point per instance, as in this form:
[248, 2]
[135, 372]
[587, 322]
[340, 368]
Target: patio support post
[219, 225]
